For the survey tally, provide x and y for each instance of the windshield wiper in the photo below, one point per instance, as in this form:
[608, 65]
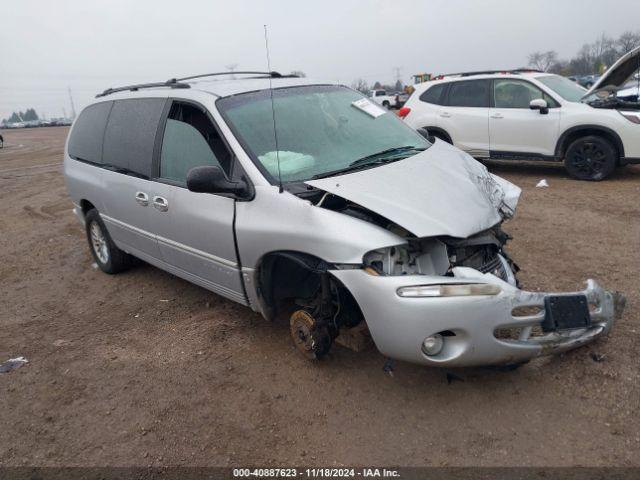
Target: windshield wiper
[384, 153]
[373, 159]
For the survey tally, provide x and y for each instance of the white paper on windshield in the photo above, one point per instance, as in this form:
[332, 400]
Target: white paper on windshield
[369, 108]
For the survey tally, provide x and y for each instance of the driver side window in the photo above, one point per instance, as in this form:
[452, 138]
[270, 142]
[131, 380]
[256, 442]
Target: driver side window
[512, 93]
[190, 140]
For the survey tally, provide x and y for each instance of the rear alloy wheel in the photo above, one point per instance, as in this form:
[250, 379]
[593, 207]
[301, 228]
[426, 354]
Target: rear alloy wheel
[106, 254]
[590, 158]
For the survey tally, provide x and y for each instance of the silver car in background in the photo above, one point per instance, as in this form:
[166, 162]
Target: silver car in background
[306, 199]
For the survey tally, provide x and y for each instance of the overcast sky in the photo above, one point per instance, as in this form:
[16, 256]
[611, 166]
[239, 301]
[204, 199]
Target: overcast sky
[88, 45]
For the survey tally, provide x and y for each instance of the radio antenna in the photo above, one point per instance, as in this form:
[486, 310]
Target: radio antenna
[273, 110]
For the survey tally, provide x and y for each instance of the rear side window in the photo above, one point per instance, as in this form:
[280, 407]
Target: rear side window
[469, 93]
[131, 133]
[190, 140]
[85, 142]
[434, 94]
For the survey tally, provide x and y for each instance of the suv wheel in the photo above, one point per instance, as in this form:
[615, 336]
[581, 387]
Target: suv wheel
[109, 258]
[385, 104]
[590, 158]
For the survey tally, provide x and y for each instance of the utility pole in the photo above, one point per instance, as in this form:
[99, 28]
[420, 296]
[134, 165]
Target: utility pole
[398, 74]
[73, 110]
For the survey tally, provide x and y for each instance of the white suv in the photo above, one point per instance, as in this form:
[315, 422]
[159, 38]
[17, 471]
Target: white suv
[522, 114]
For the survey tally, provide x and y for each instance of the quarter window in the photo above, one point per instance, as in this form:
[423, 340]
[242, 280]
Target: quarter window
[513, 93]
[190, 140]
[434, 94]
[469, 93]
[85, 142]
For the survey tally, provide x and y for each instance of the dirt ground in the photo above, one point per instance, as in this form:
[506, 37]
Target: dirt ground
[143, 368]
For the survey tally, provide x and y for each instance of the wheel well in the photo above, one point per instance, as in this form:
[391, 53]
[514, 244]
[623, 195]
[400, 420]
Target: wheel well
[286, 278]
[86, 205]
[573, 134]
[440, 133]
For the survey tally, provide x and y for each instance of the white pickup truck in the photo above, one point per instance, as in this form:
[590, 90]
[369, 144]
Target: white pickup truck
[382, 98]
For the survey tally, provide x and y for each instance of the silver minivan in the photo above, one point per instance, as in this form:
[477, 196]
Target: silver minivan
[307, 200]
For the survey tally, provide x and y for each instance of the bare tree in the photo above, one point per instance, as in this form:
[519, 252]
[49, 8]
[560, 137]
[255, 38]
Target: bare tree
[604, 51]
[360, 85]
[628, 41]
[543, 60]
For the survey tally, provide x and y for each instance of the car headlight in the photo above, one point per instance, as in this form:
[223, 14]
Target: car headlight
[449, 290]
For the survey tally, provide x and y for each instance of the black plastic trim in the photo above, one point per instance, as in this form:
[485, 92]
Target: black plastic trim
[629, 160]
[441, 131]
[561, 147]
[505, 155]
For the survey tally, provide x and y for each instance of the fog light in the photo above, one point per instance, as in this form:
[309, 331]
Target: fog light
[433, 345]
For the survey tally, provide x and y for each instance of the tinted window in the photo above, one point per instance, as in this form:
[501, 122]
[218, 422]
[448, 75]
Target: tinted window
[190, 140]
[380, 93]
[434, 94]
[510, 93]
[469, 93]
[85, 142]
[131, 133]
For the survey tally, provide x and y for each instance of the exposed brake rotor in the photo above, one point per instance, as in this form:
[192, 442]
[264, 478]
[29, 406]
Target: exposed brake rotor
[310, 337]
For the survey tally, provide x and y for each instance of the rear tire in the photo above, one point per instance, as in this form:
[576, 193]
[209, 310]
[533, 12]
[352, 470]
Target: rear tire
[590, 158]
[386, 105]
[105, 253]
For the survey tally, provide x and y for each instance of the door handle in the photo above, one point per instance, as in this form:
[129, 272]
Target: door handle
[497, 115]
[142, 198]
[445, 115]
[161, 204]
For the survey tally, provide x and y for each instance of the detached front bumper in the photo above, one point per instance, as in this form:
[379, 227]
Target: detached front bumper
[399, 325]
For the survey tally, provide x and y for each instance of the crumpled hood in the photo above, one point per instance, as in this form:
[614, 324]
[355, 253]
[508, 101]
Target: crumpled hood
[441, 191]
[619, 73]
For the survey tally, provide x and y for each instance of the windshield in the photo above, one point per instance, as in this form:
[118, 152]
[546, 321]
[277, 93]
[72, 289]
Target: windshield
[320, 132]
[570, 91]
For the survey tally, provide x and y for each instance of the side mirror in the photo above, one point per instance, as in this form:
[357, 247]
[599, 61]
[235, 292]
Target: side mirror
[539, 104]
[211, 179]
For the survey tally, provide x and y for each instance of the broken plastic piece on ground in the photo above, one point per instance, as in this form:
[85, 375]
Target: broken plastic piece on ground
[597, 357]
[453, 378]
[94, 265]
[542, 183]
[12, 364]
[388, 366]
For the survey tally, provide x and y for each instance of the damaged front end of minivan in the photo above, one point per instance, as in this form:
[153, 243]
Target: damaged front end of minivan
[447, 294]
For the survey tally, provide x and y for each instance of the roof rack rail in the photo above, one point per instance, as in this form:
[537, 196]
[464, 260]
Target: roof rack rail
[487, 72]
[173, 83]
[217, 74]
